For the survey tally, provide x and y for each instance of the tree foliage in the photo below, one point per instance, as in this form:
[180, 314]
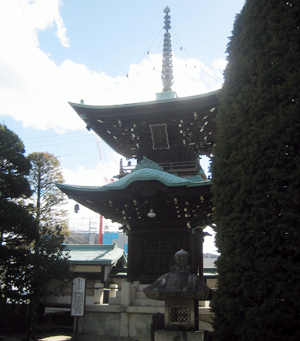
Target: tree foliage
[47, 261]
[17, 226]
[47, 199]
[45, 271]
[32, 227]
[256, 177]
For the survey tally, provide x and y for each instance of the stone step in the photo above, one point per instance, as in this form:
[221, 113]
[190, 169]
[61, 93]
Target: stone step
[147, 303]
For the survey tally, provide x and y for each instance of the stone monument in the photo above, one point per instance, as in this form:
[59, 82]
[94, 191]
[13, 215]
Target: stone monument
[181, 290]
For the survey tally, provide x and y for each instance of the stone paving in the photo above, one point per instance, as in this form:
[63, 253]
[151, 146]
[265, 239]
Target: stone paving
[20, 337]
[57, 338]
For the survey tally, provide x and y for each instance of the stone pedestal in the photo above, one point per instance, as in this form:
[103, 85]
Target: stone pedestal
[163, 335]
[181, 290]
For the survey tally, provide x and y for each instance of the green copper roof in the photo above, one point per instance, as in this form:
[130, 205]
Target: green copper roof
[180, 100]
[144, 174]
[130, 198]
[82, 254]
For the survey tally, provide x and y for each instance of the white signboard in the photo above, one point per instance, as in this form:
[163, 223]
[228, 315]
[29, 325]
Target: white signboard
[78, 297]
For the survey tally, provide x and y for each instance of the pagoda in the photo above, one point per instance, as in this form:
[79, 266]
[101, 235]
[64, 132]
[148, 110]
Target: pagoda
[165, 201]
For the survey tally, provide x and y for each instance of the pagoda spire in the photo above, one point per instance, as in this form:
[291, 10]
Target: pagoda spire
[167, 65]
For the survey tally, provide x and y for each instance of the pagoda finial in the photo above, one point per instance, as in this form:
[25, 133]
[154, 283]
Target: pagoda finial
[167, 66]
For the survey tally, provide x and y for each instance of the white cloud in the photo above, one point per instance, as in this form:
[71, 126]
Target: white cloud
[28, 77]
[92, 177]
[22, 19]
[42, 14]
[82, 176]
[61, 32]
[209, 241]
[219, 66]
[34, 90]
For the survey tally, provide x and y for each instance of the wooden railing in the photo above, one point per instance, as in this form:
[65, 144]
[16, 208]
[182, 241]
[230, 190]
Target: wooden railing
[180, 166]
[188, 167]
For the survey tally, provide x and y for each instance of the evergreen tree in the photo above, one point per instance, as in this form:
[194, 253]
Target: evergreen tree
[47, 199]
[32, 253]
[47, 260]
[256, 177]
[45, 271]
[17, 226]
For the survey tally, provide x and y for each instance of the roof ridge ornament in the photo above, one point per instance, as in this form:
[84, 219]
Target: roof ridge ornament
[147, 163]
[167, 66]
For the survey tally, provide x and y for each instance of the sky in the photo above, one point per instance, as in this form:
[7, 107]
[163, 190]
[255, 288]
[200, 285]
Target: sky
[105, 52]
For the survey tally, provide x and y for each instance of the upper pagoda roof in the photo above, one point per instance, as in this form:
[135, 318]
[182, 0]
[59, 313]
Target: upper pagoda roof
[140, 108]
[147, 128]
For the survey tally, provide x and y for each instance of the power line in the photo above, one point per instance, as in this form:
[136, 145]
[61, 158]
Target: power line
[47, 144]
[89, 152]
[86, 152]
[50, 136]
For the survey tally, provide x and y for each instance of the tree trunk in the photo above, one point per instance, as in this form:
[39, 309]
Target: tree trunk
[38, 200]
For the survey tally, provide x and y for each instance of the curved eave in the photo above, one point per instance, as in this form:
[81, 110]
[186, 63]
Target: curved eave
[145, 174]
[143, 107]
[131, 203]
[71, 189]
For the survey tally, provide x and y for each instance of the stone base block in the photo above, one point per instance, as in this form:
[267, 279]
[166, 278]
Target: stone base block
[164, 335]
[110, 338]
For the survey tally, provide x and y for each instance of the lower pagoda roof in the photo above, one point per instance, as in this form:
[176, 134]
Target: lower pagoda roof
[130, 199]
[145, 174]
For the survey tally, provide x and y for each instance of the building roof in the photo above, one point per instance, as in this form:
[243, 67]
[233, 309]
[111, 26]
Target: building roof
[145, 174]
[145, 108]
[83, 254]
[145, 129]
[129, 199]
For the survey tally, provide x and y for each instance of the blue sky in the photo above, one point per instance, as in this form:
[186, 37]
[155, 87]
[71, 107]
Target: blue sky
[56, 51]
[122, 31]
